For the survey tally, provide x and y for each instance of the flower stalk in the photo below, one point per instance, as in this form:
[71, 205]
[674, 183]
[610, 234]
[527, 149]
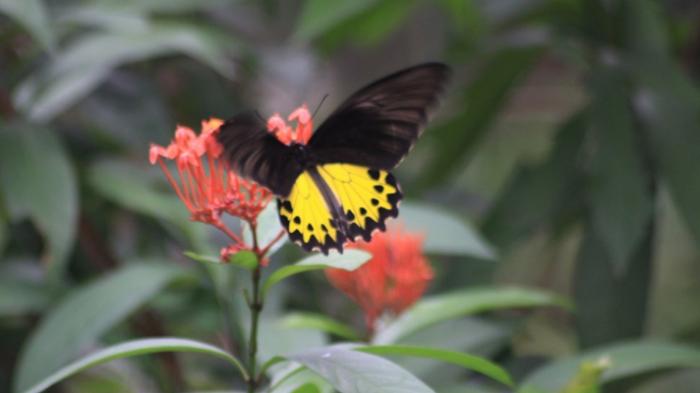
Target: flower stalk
[255, 305]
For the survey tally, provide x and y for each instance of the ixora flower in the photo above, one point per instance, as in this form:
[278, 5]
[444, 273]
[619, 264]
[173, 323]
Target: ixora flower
[394, 279]
[286, 134]
[205, 182]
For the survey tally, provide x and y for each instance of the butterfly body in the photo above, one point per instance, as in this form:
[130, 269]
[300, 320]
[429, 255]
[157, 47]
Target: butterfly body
[338, 186]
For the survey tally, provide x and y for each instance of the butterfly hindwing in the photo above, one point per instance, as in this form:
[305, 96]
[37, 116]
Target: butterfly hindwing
[367, 197]
[359, 201]
[306, 216]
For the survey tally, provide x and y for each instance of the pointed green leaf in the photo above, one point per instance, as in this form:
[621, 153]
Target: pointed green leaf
[470, 362]
[626, 360]
[319, 322]
[319, 16]
[619, 187]
[31, 14]
[37, 181]
[432, 310]
[356, 372]
[86, 314]
[483, 99]
[349, 260]
[444, 233]
[79, 68]
[131, 349]
[537, 194]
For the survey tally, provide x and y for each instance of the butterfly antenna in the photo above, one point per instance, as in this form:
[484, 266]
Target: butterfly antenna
[319, 106]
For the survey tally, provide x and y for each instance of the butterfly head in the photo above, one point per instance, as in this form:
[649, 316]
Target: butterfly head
[302, 155]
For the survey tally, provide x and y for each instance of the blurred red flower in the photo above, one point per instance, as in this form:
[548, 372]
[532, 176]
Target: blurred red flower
[394, 279]
[204, 181]
[286, 134]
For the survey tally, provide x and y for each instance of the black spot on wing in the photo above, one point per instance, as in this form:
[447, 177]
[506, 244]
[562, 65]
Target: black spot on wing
[313, 244]
[354, 230]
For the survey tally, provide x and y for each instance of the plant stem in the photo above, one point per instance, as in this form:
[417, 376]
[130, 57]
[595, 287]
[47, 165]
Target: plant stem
[255, 309]
[256, 305]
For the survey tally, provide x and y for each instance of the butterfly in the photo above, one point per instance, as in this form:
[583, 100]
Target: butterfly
[338, 187]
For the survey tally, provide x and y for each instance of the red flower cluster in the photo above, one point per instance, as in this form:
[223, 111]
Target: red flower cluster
[204, 182]
[286, 134]
[394, 279]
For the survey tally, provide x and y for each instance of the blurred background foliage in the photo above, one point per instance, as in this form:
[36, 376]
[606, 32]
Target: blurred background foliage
[570, 139]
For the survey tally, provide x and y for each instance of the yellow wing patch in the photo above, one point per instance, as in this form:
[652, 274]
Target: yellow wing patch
[307, 218]
[366, 196]
[362, 197]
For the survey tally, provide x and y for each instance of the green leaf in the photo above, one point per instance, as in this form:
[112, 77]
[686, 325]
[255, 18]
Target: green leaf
[610, 305]
[296, 377]
[22, 289]
[482, 101]
[203, 258]
[31, 14]
[470, 362]
[103, 17]
[444, 233]
[17, 298]
[626, 360]
[619, 189]
[537, 194]
[84, 315]
[41, 101]
[162, 6]
[131, 349]
[369, 26]
[319, 322]
[432, 310]
[269, 229]
[37, 182]
[319, 16]
[587, 379]
[668, 103]
[4, 231]
[129, 186]
[87, 61]
[356, 372]
[279, 341]
[349, 260]
[245, 259]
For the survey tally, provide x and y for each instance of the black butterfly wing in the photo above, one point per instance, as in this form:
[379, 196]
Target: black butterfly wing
[378, 125]
[257, 154]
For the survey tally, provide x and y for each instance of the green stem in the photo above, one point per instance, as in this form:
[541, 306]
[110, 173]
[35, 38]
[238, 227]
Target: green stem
[255, 305]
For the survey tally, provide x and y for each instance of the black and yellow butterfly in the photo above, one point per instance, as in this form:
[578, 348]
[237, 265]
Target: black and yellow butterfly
[338, 186]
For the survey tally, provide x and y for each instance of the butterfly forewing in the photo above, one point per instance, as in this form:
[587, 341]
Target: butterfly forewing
[377, 126]
[256, 154]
